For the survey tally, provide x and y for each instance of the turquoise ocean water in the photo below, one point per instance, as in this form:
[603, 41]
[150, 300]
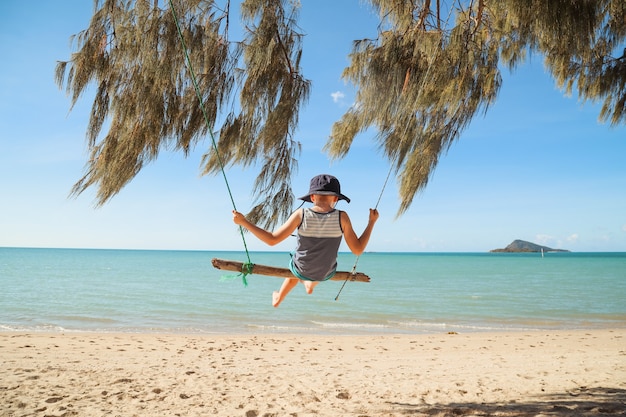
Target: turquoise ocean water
[180, 292]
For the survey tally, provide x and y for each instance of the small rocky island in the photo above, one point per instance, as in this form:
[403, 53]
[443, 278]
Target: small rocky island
[523, 246]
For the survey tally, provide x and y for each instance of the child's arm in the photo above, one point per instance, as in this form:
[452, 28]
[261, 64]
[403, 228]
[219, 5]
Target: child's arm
[358, 244]
[271, 238]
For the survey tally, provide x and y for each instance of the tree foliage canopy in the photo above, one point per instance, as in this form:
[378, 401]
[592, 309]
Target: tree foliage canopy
[433, 66]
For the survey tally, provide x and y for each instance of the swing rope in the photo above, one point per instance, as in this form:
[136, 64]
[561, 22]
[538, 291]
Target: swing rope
[247, 267]
[356, 261]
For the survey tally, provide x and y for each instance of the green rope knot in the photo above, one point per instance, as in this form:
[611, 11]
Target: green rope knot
[246, 269]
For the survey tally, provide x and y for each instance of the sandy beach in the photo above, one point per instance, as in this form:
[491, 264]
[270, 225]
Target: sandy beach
[581, 373]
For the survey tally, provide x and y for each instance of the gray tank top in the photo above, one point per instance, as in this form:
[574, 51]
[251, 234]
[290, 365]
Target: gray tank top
[319, 237]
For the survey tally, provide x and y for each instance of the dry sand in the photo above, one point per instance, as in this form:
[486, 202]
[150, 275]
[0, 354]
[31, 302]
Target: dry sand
[577, 373]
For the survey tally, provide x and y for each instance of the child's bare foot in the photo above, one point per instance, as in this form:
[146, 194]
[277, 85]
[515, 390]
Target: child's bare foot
[309, 285]
[275, 299]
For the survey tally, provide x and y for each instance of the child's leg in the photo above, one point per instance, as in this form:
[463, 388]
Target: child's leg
[309, 285]
[279, 296]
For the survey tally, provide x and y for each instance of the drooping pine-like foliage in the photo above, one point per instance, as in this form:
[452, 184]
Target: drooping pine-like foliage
[432, 67]
[131, 53]
[273, 92]
[419, 85]
[583, 42]
[430, 70]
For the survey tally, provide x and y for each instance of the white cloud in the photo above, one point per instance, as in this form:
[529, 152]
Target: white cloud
[572, 238]
[337, 96]
[624, 228]
[544, 240]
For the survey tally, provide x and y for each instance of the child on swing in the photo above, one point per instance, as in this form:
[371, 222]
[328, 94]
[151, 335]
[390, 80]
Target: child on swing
[320, 229]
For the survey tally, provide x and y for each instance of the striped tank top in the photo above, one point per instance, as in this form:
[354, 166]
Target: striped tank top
[319, 237]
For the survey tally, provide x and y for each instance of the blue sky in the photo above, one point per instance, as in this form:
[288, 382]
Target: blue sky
[538, 166]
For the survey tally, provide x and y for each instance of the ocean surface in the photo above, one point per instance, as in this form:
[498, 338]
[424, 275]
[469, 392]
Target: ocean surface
[64, 290]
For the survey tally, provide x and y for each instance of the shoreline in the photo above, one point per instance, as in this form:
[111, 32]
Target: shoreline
[339, 329]
[564, 372]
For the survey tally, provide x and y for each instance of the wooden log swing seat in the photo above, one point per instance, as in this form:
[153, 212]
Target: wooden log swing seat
[282, 272]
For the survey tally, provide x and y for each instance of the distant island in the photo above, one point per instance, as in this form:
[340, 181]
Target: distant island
[523, 246]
